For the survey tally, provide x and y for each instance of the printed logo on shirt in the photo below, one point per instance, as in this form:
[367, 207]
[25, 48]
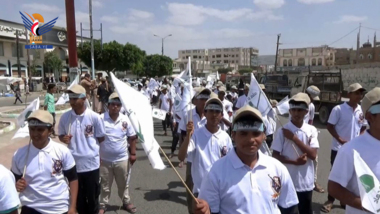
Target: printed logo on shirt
[223, 151]
[276, 187]
[57, 167]
[89, 131]
[124, 125]
[361, 118]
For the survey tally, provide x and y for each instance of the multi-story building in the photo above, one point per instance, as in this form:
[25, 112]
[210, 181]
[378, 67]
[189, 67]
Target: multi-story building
[299, 58]
[8, 50]
[222, 57]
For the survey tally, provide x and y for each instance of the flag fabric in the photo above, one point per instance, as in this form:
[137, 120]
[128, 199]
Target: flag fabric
[257, 98]
[139, 112]
[369, 185]
[177, 103]
[23, 131]
[283, 106]
[153, 84]
[217, 75]
[210, 84]
[159, 113]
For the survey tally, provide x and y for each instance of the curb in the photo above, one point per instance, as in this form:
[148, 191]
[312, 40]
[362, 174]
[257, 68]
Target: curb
[5, 115]
[9, 128]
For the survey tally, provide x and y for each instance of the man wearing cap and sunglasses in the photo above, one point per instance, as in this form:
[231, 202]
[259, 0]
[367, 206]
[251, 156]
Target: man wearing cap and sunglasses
[346, 122]
[117, 154]
[43, 187]
[225, 123]
[343, 182]
[83, 131]
[246, 180]
[242, 99]
[207, 144]
[296, 146]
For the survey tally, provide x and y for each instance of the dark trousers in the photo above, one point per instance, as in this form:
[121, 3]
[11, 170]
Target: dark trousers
[175, 138]
[332, 160]
[53, 114]
[305, 202]
[269, 140]
[18, 98]
[28, 210]
[167, 121]
[88, 192]
[190, 184]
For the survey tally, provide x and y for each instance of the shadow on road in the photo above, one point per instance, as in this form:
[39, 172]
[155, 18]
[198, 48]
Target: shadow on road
[166, 194]
[317, 208]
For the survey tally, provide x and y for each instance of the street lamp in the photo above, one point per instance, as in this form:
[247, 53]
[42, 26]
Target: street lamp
[162, 39]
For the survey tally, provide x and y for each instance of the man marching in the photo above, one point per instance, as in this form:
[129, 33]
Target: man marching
[43, 187]
[115, 158]
[82, 129]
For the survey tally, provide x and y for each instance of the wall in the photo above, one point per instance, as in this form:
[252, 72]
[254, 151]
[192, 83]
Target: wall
[367, 77]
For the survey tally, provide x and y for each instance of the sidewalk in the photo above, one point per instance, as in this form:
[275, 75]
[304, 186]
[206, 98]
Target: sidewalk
[8, 147]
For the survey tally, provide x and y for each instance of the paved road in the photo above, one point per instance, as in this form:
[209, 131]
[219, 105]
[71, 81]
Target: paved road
[8, 101]
[161, 192]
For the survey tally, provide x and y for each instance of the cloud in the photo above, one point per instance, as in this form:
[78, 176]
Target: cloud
[196, 15]
[97, 4]
[139, 15]
[269, 4]
[42, 8]
[110, 19]
[315, 1]
[351, 19]
[79, 17]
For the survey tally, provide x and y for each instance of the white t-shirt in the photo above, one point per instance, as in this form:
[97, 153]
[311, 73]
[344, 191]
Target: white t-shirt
[47, 190]
[347, 123]
[165, 102]
[115, 146]
[309, 116]
[343, 170]
[233, 187]
[302, 176]
[197, 121]
[85, 129]
[268, 126]
[241, 101]
[9, 196]
[227, 107]
[234, 95]
[205, 149]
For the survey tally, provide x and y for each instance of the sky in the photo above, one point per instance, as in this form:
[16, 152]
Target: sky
[198, 24]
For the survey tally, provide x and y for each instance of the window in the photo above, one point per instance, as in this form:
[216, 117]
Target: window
[195, 57]
[36, 54]
[320, 61]
[301, 62]
[14, 50]
[1, 49]
[290, 62]
[361, 56]
[225, 55]
[285, 63]
[225, 61]
[233, 55]
[188, 51]
[232, 61]
[183, 52]
[218, 55]
[369, 56]
[183, 57]
[313, 62]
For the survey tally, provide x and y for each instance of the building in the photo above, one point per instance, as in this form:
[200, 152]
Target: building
[222, 57]
[305, 57]
[8, 50]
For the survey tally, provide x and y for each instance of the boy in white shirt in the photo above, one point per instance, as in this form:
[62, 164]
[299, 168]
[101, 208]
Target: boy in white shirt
[165, 103]
[346, 122]
[9, 200]
[296, 146]
[83, 131]
[207, 145]
[49, 165]
[242, 99]
[343, 180]
[225, 123]
[117, 154]
[246, 180]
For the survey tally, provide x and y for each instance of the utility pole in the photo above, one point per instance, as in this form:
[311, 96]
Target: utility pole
[27, 53]
[278, 44]
[71, 39]
[92, 42]
[162, 49]
[18, 54]
[162, 42]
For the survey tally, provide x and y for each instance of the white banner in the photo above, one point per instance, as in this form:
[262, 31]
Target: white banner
[257, 98]
[159, 114]
[23, 131]
[283, 106]
[368, 184]
[139, 112]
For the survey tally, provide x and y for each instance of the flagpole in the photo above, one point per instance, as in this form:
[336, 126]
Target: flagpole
[26, 159]
[190, 91]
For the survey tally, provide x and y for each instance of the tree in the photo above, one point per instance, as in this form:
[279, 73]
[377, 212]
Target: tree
[224, 70]
[158, 65]
[33, 66]
[245, 70]
[134, 58]
[53, 63]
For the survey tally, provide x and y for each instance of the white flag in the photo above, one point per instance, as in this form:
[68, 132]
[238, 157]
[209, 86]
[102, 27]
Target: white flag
[23, 131]
[283, 106]
[139, 112]
[257, 98]
[210, 84]
[217, 75]
[64, 98]
[369, 185]
[159, 113]
[177, 103]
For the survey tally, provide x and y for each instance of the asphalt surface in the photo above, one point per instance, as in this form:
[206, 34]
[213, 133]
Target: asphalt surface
[9, 101]
[162, 192]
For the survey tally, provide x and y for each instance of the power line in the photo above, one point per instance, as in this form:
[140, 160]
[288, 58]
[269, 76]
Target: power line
[371, 28]
[343, 36]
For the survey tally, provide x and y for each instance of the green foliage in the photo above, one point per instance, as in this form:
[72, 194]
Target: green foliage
[52, 62]
[158, 65]
[245, 70]
[224, 70]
